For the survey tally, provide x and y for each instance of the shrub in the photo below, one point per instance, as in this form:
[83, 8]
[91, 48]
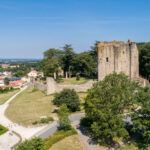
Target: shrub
[68, 97]
[58, 79]
[33, 144]
[35, 122]
[2, 130]
[46, 120]
[77, 76]
[57, 136]
[63, 115]
[43, 120]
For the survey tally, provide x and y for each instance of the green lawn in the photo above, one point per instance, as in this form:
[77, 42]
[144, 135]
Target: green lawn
[69, 143]
[2, 129]
[74, 81]
[5, 96]
[28, 107]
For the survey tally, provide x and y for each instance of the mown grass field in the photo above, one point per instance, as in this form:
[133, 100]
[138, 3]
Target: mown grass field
[5, 96]
[74, 81]
[69, 143]
[29, 106]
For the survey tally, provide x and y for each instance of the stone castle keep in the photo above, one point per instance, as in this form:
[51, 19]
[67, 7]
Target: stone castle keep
[117, 56]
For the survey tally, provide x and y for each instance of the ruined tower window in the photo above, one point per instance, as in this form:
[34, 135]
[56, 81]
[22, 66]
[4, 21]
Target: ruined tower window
[107, 59]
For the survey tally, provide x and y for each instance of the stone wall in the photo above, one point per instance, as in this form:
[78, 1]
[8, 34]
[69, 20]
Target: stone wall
[40, 86]
[53, 87]
[117, 56]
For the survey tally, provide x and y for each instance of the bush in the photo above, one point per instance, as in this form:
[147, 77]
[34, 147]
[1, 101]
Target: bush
[68, 97]
[43, 120]
[58, 79]
[77, 76]
[35, 122]
[33, 144]
[5, 90]
[46, 120]
[63, 115]
[2, 130]
[57, 136]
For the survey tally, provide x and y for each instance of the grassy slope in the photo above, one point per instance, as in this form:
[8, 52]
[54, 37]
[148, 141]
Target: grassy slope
[28, 107]
[69, 143]
[74, 81]
[5, 96]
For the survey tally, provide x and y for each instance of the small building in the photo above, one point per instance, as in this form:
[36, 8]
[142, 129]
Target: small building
[33, 74]
[7, 74]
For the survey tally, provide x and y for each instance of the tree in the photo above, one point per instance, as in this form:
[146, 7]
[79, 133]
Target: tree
[33, 144]
[63, 115]
[141, 116]
[51, 62]
[105, 105]
[68, 97]
[84, 64]
[6, 81]
[67, 59]
[144, 59]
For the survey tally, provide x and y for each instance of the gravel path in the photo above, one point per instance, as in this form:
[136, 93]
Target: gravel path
[24, 132]
[8, 139]
[88, 143]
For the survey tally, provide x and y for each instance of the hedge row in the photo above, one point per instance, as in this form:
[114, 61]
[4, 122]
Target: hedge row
[2, 130]
[57, 136]
[7, 89]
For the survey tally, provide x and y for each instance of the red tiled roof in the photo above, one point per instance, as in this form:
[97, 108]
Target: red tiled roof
[34, 72]
[17, 82]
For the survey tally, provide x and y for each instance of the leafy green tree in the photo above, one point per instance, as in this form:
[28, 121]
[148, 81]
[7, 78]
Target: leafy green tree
[63, 115]
[144, 59]
[105, 105]
[84, 64]
[68, 97]
[141, 117]
[6, 81]
[67, 58]
[33, 144]
[51, 62]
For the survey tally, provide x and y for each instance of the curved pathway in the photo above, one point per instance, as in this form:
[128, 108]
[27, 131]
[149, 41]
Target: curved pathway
[9, 139]
[24, 132]
[75, 121]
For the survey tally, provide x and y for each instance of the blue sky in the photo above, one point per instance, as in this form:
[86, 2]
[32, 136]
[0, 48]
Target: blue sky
[29, 27]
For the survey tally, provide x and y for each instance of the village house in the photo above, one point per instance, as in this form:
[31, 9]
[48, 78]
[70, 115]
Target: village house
[33, 74]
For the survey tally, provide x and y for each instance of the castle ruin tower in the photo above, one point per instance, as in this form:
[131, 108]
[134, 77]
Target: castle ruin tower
[117, 56]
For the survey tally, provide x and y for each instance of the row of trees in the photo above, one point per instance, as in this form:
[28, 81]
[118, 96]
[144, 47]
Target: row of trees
[70, 62]
[108, 105]
[85, 63]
